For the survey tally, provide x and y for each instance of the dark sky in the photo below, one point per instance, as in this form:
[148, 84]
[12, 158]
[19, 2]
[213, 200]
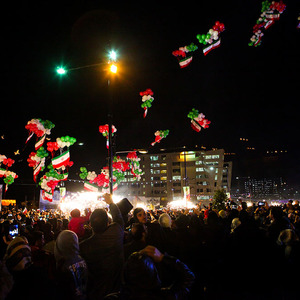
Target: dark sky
[244, 91]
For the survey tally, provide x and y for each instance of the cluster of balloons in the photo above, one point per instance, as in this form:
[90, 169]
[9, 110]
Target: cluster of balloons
[65, 141]
[52, 146]
[120, 166]
[212, 37]
[104, 129]
[198, 120]
[270, 12]
[147, 98]
[39, 127]
[42, 152]
[159, 135]
[8, 162]
[181, 54]
[83, 173]
[56, 168]
[9, 176]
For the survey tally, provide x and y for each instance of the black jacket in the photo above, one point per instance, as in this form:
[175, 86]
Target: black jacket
[103, 253]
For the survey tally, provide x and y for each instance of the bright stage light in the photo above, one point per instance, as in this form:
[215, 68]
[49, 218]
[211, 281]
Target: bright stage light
[85, 200]
[180, 204]
[82, 201]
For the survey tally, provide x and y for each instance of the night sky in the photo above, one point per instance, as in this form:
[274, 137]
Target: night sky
[245, 91]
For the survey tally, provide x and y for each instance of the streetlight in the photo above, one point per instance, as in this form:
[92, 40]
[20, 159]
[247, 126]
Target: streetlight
[61, 70]
[112, 70]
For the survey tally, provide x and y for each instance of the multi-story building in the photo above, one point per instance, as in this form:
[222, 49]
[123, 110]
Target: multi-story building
[166, 173]
[260, 188]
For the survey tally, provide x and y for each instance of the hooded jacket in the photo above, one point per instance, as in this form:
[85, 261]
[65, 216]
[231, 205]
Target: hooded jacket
[71, 267]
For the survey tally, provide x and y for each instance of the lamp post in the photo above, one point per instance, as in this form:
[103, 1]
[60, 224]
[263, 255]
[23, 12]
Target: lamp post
[112, 71]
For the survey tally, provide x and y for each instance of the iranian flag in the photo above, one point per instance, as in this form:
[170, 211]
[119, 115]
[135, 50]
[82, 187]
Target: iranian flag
[195, 126]
[40, 142]
[212, 46]
[185, 62]
[61, 160]
[47, 196]
[2, 172]
[37, 170]
[90, 187]
[66, 175]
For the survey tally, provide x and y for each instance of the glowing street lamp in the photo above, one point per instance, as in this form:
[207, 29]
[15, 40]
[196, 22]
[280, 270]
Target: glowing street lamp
[113, 68]
[112, 55]
[61, 70]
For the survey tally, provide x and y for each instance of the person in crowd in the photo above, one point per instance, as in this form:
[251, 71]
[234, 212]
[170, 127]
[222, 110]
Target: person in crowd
[149, 274]
[155, 235]
[6, 281]
[235, 224]
[279, 222]
[71, 268]
[39, 256]
[103, 251]
[18, 262]
[170, 241]
[77, 222]
[138, 242]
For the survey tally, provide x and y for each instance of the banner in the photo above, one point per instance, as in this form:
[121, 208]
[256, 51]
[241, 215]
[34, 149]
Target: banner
[186, 194]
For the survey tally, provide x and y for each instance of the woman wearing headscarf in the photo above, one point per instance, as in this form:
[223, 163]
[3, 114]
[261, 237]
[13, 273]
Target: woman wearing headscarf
[71, 267]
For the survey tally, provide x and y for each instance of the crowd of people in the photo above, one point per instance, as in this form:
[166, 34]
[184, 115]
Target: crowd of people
[238, 252]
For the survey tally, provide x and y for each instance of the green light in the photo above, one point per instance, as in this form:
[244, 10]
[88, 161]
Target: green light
[61, 70]
[113, 55]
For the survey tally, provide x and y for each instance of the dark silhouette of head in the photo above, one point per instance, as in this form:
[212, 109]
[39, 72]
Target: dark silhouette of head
[99, 220]
[140, 273]
[75, 213]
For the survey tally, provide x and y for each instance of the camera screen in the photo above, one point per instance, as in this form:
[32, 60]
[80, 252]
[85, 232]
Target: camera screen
[13, 230]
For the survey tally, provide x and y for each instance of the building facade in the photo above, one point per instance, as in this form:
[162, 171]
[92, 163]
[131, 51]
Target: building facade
[167, 173]
[260, 188]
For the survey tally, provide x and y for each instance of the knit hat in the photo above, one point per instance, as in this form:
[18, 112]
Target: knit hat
[66, 246]
[18, 254]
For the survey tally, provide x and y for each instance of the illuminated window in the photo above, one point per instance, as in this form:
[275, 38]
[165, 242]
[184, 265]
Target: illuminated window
[163, 164]
[163, 178]
[215, 156]
[163, 171]
[155, 165]
[199, 169]
[188, 155]
[198, 162]
[207, 156]
[153, 158]
[176, 177]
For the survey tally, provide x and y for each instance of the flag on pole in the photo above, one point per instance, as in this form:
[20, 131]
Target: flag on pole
[47, 196]
[37, 170]
[61, 160]
[185, 62]
[40, 142]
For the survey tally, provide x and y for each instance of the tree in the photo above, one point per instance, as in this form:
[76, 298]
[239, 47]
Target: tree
[219, 199]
